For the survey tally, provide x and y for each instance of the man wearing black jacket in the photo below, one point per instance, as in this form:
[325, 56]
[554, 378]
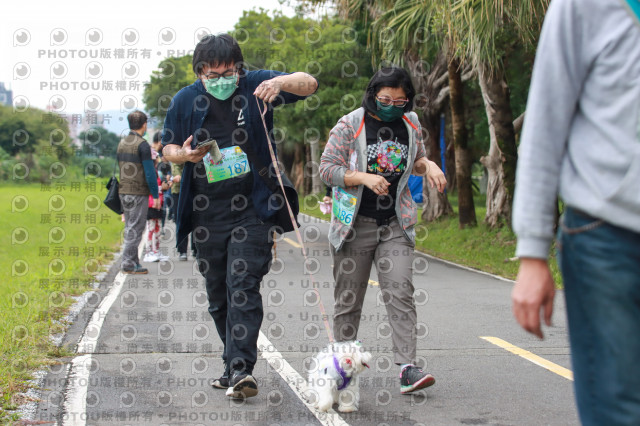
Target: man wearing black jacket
[223, 199]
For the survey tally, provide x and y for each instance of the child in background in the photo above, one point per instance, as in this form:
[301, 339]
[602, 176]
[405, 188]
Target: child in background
[154, 217]
[164, 173]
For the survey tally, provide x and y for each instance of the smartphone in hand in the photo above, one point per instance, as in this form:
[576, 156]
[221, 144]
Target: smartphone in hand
[205, 144]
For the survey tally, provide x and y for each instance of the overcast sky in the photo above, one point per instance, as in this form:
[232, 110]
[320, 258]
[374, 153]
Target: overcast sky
[55, 52]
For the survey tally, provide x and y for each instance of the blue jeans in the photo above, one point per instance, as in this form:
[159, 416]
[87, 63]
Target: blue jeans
[600, 265]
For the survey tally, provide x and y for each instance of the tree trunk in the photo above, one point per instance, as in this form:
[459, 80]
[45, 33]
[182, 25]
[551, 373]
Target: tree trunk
[436, 204]
[466, 207]
[287, 162]
[503, 154]
[450, 151]
[313, 167]
[307, 176]
[297, 169]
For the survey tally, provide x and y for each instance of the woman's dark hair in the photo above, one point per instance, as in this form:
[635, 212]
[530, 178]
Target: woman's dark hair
[388, 77]
[215, 50]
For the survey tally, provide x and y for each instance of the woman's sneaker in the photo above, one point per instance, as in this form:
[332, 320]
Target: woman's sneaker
[413, 378]
[242, 385]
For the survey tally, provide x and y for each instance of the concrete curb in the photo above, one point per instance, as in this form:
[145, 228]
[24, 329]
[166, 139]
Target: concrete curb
[28, 410]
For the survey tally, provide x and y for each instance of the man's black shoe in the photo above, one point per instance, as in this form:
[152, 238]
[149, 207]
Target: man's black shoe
[242, 385]
[222, 382]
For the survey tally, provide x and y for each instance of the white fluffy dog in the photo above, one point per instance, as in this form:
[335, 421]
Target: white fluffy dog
[334, 378]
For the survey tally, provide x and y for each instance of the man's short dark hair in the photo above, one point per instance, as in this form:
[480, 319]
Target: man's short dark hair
[157, 137]
[388, 77]
[136, 119]
[216, 50]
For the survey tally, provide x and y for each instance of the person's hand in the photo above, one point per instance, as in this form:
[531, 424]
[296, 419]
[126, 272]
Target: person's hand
[176, 179]
[378, 184]
[327, 199]
[534, 291]
[435, 176]
[193, 155]
[164, 186]
[156, 203]
[268, 90]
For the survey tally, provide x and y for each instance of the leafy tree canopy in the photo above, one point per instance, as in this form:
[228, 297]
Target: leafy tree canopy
[99, 142]
[172, 75]
[328, 49]
[32, 131]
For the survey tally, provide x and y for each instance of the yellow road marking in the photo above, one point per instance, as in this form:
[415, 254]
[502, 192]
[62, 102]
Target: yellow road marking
[293, 243]
[554, 368]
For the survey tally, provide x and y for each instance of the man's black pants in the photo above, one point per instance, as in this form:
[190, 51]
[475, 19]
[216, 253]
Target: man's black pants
[234, 254]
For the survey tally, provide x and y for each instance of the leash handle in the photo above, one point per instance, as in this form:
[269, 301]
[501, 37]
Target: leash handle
[274, 161]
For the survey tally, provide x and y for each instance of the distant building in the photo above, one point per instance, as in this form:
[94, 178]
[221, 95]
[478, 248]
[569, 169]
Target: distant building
[6, 95]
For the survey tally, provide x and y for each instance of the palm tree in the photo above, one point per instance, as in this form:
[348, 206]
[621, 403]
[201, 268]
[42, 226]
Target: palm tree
[490, 26]
[411, 21]
[464, 160]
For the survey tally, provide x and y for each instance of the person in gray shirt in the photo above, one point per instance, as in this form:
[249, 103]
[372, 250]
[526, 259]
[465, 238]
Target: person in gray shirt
[581, 142]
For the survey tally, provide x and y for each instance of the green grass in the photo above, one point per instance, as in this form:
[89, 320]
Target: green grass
[482, 248]
[46, 261]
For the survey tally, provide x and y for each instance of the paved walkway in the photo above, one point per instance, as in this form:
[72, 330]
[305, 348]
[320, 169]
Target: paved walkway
[147, 349]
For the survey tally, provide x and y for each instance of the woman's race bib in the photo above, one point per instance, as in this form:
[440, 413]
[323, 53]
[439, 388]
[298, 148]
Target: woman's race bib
[344, 205]
[234, 163]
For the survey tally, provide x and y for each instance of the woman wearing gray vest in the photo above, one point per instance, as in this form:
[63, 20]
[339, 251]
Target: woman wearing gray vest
[368, 159]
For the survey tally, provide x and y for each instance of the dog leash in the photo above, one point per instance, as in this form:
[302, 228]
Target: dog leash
[275, 163]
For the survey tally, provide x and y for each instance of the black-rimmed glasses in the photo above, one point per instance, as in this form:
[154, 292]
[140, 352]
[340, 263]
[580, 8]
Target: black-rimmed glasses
[215, 76]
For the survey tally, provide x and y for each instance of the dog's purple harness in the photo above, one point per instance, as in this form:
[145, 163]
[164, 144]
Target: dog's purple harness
[345, 379]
